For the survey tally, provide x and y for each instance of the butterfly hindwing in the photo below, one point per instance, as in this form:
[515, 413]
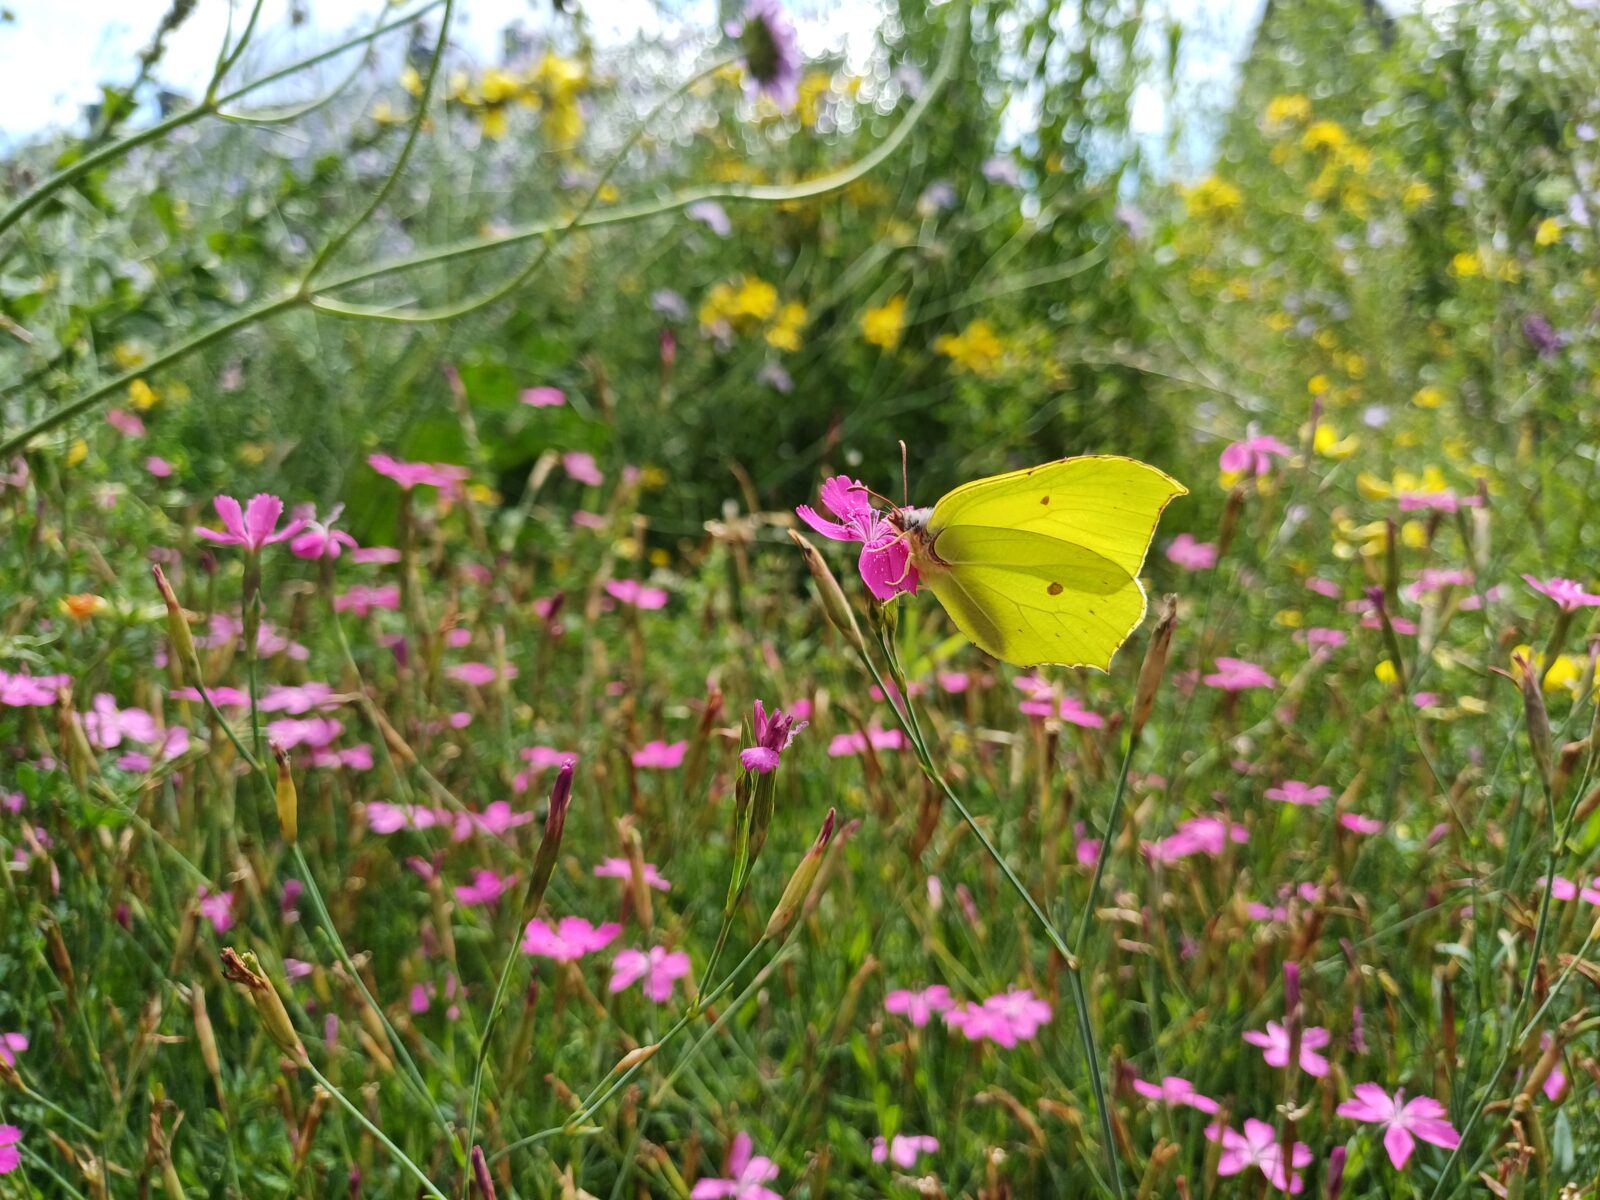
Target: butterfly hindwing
[1027, 598]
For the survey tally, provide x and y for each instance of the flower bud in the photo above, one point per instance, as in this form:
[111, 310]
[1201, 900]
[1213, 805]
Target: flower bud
[799, 885]
[178, 632]
[544, 860]
[288, 799]
[204, 1033]
[1528, 677]
[245, 970]
[480, 1174]
[1155, 665]
[830, 593]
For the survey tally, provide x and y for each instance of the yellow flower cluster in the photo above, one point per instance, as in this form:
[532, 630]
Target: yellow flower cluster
[975, 348]
[883, 327]
[1212, 197]
[1287, 110]
[748, 305]
[550, 88]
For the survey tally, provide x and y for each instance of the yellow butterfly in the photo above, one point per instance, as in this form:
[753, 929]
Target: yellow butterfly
[1042, 565]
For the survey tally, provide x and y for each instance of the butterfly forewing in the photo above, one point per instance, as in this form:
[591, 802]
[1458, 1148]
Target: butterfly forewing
[1104, 503]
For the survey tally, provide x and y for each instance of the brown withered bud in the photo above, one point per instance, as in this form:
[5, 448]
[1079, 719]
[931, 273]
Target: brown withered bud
[245, 970]
[1155, 665]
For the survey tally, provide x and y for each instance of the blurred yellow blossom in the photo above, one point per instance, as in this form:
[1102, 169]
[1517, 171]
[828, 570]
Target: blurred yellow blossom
[976, 347]
[77, 452]
[1416, 194]
[813, 88]
[1466, 265]
[142, 396]
[1317, 385]
[127, 355]
[411, 81]
[1282, 110]
[1566, 672]
[1428, 396]
[1328, 443]
[1212, 195]
[882, 327]
[1548, 233]
[785, 331]
[1325, 135]
[1386, 673]
[739, 303]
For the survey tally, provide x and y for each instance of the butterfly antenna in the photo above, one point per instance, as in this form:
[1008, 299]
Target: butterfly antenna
[905, 478]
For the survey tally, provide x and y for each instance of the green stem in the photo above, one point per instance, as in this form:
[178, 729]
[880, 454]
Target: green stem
[597, 1098]
[1080, 999]
[399, 1155]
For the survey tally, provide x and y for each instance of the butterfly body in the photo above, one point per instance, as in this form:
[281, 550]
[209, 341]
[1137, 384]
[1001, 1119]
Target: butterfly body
[1042, 565]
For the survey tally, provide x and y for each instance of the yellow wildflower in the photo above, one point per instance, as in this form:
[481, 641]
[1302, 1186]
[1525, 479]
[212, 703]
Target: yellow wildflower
[1548, 233]
[411, 81]
[127, 356]
[1317, 385]
[784, 333]
[1386, 673]
[1212, 195]
[1284, 110]
[975, 348]
[882, 327]
[1328, 443]
[1416, 194]
[1428, 396]
[813, 88]
[142, 396]
[1325, 135]
[1466, 265]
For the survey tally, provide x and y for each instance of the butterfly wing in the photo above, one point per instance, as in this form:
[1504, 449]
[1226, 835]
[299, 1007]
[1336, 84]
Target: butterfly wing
[1042, 565]
[1104, 503]
[1028, 599]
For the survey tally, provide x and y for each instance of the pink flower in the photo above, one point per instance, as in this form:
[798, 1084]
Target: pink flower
[158, 466]
[376, 554]
[216, 907]
[30, 691]
[1069, 709]
[844, 745]
[1191, 555]
[954, 682]
[1199, 835]
[543, 397]
[628, 591]
[746, 1178]
[572, 938]
[919, 1007]
[1006, 1019]
[1275, 1047]
[1258, 1147]
[486, 887]
[621, 868]
[321, 539]
[1323, 587]
[904, 1150]
[885, 562]
[1360, 823]
[498, 819]
[444, 476]
[660, 755]
[255, 527]
[10, 1156]
[1236, 675]
[298, 697]
[11, 1045]
[315, 732]
[1444, 502]
[1174, 1091]
[477, 674]
[1253, 456]
[659, 970]
[364, 599]
[125, 423]
[580, 465]
[1324, 641]
[1403, 1121]
[1568, 594]
[773, 735]
[1292, 791]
